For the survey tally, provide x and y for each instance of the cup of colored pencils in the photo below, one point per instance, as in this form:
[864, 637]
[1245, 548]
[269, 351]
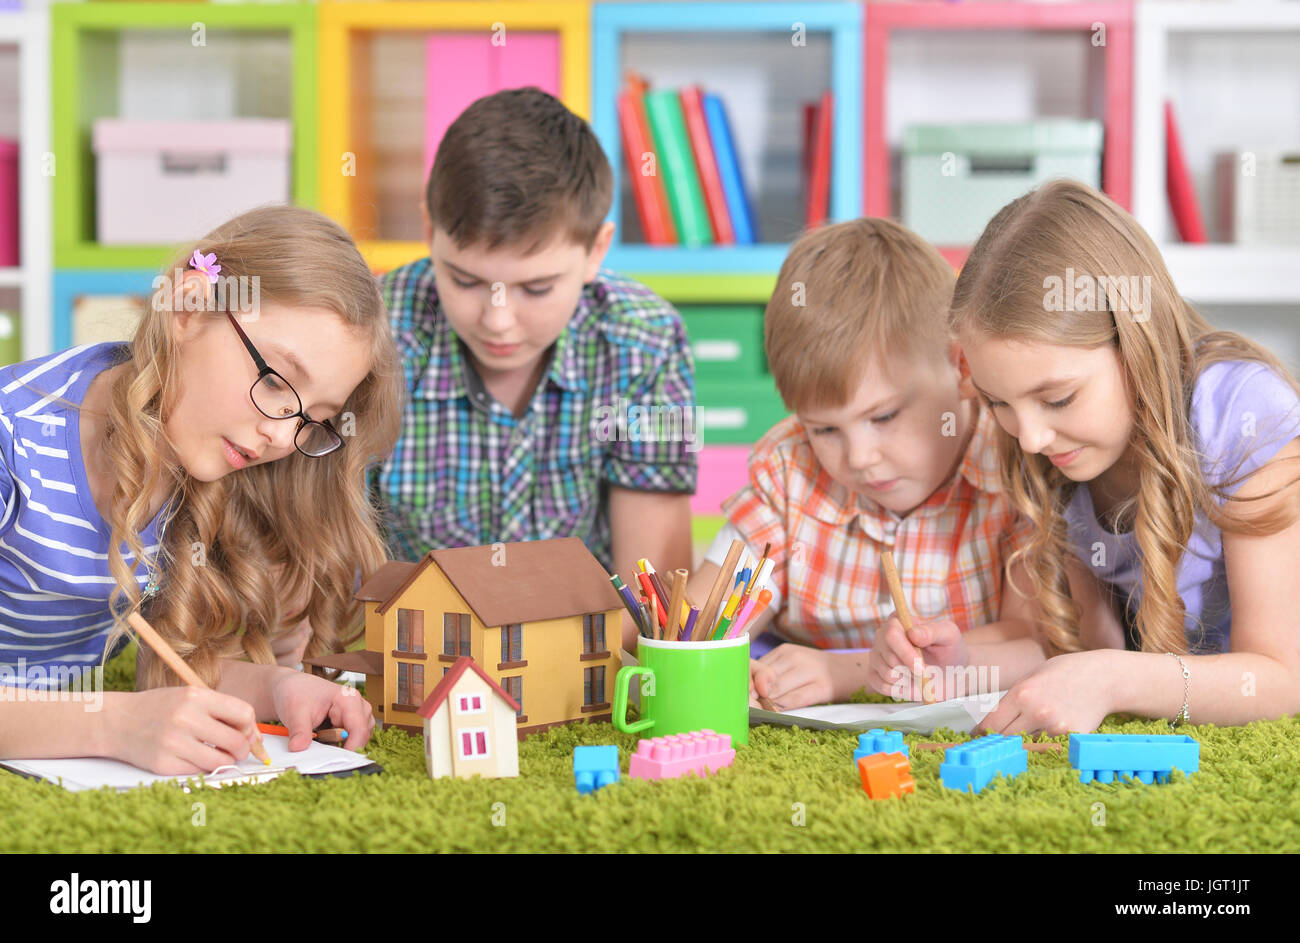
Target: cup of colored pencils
[663, 611]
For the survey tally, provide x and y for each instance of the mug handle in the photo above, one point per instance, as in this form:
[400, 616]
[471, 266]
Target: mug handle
[621, 684]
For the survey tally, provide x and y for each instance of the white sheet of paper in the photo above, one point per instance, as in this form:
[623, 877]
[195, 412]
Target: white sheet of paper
[94, 772]
[960, 714]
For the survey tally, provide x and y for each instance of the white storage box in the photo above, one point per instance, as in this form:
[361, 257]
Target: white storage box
[1259, 197]
[957, 176]
[173, 181]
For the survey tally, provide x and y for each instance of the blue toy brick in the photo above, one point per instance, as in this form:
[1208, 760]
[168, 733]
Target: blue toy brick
[594, 767]
[1105, 757]
[876, 741]
[972, 766]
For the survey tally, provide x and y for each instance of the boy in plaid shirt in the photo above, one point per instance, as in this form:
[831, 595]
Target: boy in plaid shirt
[888, 450]
[545, 396]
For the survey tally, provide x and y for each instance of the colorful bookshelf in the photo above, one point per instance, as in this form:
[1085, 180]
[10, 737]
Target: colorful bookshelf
[72, 285]
[1216, 62]
[736, 398]
[26, 32]
[85, 84]
[702, 33]
[346, 95]
[884, 21]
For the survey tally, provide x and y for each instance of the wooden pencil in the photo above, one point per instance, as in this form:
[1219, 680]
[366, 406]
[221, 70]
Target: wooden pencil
[1031, 747]
[676, 590]
[904, 614]
[721, 583]
[150, 636]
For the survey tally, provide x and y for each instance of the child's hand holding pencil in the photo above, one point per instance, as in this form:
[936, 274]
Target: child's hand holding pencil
[896, 652]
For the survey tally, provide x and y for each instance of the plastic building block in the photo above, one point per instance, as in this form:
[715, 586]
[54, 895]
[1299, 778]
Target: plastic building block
[876, 740]
[886, 774]
[700, 752]
[594, 767]
[1105, 757]
[1030, 747]
[972, 766]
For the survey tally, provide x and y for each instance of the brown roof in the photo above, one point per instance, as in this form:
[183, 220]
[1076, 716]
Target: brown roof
[371, 663]
[384, 581]
[439, 694]
[539, 579]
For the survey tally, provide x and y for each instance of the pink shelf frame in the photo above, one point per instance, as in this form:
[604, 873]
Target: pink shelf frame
[882, 18]
[724, 470]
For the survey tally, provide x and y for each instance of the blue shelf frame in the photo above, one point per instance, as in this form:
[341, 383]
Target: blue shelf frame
[69, 283]
[844, 23]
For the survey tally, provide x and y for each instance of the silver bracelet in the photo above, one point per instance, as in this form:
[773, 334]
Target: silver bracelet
[1182, 716]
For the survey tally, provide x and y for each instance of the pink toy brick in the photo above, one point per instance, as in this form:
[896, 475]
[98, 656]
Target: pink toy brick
[700, 751]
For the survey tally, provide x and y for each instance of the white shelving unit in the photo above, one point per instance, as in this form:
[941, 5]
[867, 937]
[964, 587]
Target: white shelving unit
[1237, 67]
[27, 30]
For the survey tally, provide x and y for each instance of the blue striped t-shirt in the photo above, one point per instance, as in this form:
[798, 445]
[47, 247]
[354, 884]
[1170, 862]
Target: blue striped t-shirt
[54, 577]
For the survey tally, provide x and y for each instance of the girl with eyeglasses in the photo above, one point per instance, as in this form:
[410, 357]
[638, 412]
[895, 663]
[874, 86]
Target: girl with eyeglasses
[210, 474]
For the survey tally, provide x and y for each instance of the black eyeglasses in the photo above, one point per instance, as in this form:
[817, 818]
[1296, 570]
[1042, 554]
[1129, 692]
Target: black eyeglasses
[275, 398]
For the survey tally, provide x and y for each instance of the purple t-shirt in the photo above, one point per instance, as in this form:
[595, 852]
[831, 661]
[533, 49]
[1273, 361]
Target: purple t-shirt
[1241, 409]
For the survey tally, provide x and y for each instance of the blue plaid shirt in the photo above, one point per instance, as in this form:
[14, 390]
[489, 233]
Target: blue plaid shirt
[466, 472]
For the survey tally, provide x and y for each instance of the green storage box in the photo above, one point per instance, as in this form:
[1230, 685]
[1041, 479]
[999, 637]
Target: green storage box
[726, 341]
[738, 412]
[957, 176]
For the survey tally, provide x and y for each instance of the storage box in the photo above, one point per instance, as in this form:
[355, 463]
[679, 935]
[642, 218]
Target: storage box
[1258, 196]
[8, 203]
[956, 177]
[173, 181]
[726, 341]
[737, 411]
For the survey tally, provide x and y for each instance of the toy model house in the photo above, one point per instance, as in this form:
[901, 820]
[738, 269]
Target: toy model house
[533, 615]
[469, 725]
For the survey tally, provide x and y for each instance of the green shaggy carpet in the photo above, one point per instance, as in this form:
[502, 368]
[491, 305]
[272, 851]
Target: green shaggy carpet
[789, 791]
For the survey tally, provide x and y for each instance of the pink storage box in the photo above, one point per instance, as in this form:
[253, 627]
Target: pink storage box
[173, 181]
[8, 202]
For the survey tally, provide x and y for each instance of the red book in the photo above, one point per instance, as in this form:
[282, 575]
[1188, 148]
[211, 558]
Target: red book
[1178, 184]
[710, 180]
[819, 180]
[805, 156]
[651, 197]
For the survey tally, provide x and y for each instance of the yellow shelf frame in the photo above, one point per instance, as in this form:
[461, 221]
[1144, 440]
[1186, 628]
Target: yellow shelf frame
[340, 86]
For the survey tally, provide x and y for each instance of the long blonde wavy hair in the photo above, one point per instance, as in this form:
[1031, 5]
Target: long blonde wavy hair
[1000, 294]
[298, 528]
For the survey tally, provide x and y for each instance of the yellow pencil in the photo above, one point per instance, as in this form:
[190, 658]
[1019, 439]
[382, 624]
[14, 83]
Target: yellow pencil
[177, 664]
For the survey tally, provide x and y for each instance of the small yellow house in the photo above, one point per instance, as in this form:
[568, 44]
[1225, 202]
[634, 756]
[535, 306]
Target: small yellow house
[469, 726]
[539, 617]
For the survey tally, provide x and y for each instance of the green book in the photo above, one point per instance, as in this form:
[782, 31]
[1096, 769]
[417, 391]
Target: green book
[681, 177]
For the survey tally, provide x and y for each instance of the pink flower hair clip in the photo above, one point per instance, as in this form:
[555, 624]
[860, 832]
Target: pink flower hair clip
[207, 264]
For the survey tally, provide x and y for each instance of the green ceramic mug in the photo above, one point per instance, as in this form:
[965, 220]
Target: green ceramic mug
[688, 686]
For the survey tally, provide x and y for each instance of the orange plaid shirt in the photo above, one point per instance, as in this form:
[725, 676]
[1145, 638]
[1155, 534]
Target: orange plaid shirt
[951, 552]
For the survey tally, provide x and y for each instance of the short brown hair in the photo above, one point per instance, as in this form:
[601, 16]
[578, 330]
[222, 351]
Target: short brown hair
[845, 292]
[516, 168]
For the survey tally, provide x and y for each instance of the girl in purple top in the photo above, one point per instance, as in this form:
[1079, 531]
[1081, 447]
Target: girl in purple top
[1157, 458]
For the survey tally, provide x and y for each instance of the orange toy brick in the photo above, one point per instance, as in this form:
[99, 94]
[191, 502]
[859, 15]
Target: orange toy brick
[885, 775]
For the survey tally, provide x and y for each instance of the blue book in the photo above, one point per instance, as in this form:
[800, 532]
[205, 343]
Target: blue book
[733, 186]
